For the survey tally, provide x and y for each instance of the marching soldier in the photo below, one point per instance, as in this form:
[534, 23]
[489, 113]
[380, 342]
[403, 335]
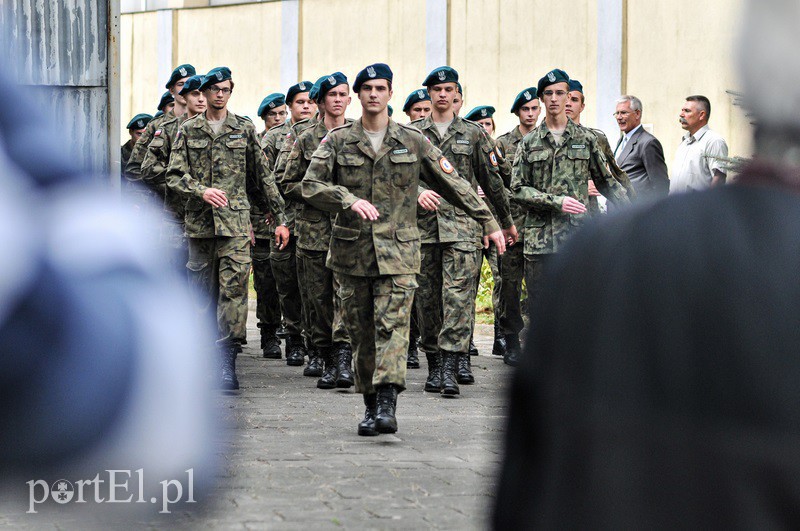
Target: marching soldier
[417, 105]
[135, 129]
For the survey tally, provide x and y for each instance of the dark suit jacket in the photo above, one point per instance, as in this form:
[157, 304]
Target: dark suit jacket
[661, 391]
[643, 161]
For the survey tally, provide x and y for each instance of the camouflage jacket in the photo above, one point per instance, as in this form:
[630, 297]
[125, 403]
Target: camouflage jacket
[133, 169]
[313, 226]
[156, 162]
[467, 147]
[231, 161]
[507, 150]
[613, 167]
[345, 168]
[544, 174]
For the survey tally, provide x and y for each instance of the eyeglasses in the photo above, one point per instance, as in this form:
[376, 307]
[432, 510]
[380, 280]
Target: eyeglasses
[622, 114]
[559, 93]
[214, 89]
[279, 114]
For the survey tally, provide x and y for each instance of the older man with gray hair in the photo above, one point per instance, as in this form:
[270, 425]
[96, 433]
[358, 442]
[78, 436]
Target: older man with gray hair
[638, 153]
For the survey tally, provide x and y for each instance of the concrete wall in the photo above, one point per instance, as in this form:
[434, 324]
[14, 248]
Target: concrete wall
[660, 51]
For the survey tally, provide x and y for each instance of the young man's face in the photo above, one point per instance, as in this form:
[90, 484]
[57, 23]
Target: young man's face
[421, 109]
[442, 96]
[458, 101]
[575, 105]
[554, 98]
[175, 89]
[136, 134]
[218, 94]
[336, 101]
[529, 113]
[275, 116]
[168, 107]
[374, 95]
[196, 102]
[301, 107]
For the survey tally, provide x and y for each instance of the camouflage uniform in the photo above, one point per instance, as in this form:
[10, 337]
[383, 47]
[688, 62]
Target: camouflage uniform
[544, 174]
[613, 167]
[313, 232]
[276, 145]
[376, 262]
[512, 268]
[451, 241]
[133, 169]
[219, 254]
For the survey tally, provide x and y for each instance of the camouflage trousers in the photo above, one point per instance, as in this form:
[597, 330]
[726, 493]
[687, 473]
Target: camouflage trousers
[219, 269]
[174, 244]
[512, 270]
[377, 313]
[446, 296]
[534, 265]
[284, 269]
[319, 291]
[268, 309]
[494, 260]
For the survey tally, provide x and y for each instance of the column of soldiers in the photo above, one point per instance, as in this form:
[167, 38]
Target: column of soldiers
[365, 238]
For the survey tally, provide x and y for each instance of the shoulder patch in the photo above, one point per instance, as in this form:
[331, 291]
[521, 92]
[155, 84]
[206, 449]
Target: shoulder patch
[446, 166]
[499, 150]
[158, 132]
[493, 158]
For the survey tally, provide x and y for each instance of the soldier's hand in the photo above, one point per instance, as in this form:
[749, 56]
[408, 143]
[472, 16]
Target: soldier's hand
[281, 236]
[499, 240]
[593, 189]
[215, 197]
[572, 206]
[269, 218]
[252, 236]
[429, 200]
[511, 236]
[365, 209]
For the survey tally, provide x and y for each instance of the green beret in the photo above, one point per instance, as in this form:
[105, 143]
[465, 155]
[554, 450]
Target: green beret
[443, 74]
[460, 88]
[180, 72]
[139, 121]
[374, 71]
[416, 97]
[480, 112]
[552, 77]
[294, 90]
[391, 111]
[192, 84]
[329, 82]
[166, 99]
[159, 113]
[276, 99]
[313, 94]
[216, 75]
[574, 85]
[522, 98]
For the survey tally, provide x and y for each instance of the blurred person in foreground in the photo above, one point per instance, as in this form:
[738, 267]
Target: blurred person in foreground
[102, 363]
[674, 401]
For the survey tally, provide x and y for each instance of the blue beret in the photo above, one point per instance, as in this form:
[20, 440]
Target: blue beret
[391, 111]
[416, 97]
[460, 88]
[574, 85]
[159, 113]
[180, 72]
[529, 94]
[480, 112]
[276, 99]
[216, 75]
[193, 83]
[313, 94]
[329, 82]
[294, 90]
[139, 121]
[375, 71]
[166, 99]
[443, 74]
[552, 77]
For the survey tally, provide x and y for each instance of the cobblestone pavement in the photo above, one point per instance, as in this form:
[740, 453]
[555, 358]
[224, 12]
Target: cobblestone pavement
[296, 461]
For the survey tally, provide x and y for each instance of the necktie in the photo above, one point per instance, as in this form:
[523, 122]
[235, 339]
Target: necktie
[621, 146]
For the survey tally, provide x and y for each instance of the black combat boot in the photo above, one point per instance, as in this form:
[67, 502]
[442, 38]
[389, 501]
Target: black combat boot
[434, 382]
[314, 367]
[281, 332]
[344, 359]
[473, 350]
[412, 362]
[295, 351]
[270, 344]
[367, 426]
[331, 372]
[449, 367]
[464, 372]
[385, 420]
[499, 346]
[513, 350]
[229, 381]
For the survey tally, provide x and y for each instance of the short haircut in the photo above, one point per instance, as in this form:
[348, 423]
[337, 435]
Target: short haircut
[705, 104]
[387, 81]
[636, 103]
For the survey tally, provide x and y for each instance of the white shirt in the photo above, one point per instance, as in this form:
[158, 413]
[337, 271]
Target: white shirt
[695, 161]
[625, 139]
